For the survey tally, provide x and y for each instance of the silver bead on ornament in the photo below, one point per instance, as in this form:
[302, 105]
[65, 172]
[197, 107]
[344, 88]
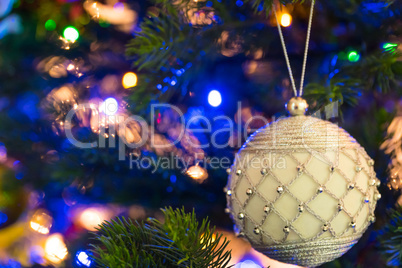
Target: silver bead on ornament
[319, 177]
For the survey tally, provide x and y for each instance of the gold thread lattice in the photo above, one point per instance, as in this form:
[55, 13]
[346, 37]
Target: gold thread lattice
[318, 139]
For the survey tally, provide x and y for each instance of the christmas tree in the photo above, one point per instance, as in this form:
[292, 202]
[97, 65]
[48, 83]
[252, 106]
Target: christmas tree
[113, 109]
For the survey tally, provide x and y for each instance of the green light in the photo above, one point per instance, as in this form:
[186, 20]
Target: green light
[104, 23]
[389, 46]
[353, 56]
[71, 34]
[17, 3]
[50, 25]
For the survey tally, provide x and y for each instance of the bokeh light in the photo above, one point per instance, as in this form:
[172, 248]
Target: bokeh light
[37, 254]
[55, 248]
[214, 98]
[3, 218]
[3, 153]
[109, 106]
[50, 25]
[71, 33]
[353, 56]
[286, 20]
[197, 173]
[82, 259]
[91, 218]
[129, 80]
[247, 264]
[211, 240]
[41, 222]
[389, 46]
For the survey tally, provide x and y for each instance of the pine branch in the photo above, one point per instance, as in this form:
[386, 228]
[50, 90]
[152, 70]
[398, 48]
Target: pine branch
[152, 47]
[265, 6]
[380, 71]
[391, 239]
[181, 241]
[344, 91]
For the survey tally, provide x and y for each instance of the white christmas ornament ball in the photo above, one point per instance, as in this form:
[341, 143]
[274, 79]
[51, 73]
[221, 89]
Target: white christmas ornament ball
[302, 190]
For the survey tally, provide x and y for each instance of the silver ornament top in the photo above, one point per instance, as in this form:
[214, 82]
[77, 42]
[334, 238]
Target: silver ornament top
[299, 133]
[297, 106]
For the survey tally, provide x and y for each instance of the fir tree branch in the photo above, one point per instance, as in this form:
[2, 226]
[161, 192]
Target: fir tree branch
[338, 90]
[181, 241]
[380, 71]
[391, 238]
[265, 6]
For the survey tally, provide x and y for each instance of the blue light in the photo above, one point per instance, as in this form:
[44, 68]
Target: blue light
[375, 7]
[109, 106]
[247, 264]
[11, 264]
[83, 259]
[334, 59]
[3, 152]
[179, 72]
[3, 218]
[214, 98]
[239, 3]
[19, 175]
[159, 86]
[173, 179]
[36, 254]
[173, 81]
[28, 105]
[333, 73]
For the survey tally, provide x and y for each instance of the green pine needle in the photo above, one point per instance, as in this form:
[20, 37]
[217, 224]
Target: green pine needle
[338, 90]
[391, 239]
[381, 71]
[181, 241]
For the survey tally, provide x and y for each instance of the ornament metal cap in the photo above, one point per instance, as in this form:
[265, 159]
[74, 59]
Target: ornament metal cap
[297, 106]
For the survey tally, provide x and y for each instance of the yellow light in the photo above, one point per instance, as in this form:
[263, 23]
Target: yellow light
[197, 173]
[41, 222]
[286, 20]
[129, 80]
[91, 218]
[70, 67]
[209, 242]
[55, 248]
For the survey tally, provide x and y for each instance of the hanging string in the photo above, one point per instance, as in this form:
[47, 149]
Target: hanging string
[286, 54]
[305, 51]
[306, 47]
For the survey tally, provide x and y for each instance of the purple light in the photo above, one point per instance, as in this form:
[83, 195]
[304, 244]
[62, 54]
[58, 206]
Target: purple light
[247, 264]
[119, 6]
